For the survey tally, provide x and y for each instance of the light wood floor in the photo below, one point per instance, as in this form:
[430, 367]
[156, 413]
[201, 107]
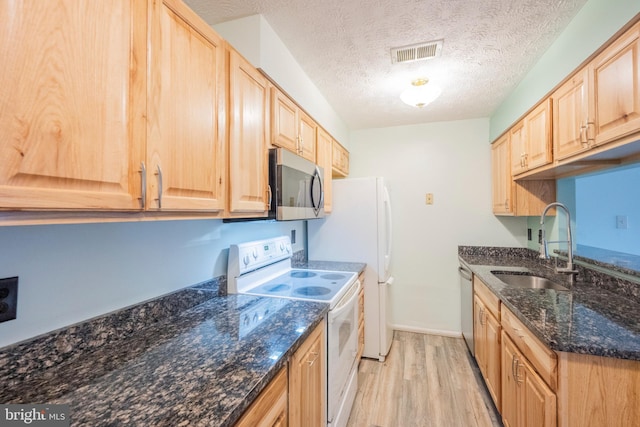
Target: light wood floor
[426, 381]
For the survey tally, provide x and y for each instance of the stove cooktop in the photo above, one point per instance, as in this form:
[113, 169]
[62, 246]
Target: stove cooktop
[314, 285]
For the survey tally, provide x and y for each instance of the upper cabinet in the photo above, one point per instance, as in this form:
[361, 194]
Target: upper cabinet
[571, 116]
[340, 160]
[73, 104]
[292, 128]
[615, 89]
[501, 176]
[323, 159]
[249, 193]
[531, 145]
[186, 167]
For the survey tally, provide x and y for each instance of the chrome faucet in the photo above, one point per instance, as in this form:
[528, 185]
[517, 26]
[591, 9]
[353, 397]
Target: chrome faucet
[544, 250]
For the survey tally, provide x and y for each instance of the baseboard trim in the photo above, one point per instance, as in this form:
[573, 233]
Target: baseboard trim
[405, 328]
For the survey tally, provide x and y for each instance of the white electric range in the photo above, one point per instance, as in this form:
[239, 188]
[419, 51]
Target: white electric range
[263, 268]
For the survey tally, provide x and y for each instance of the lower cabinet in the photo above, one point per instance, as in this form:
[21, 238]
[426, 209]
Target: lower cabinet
[297, 396]
[308, 381]
[526, 400]
[270, 408]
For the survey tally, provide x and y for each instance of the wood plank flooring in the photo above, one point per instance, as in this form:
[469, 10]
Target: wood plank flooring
[426, 381]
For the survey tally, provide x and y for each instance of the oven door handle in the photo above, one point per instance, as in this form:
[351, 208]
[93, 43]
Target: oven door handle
[345, 302]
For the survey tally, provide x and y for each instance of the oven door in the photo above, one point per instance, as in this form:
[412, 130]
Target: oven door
[342, 347]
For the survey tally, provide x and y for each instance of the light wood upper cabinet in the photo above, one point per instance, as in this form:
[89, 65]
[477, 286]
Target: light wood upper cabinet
[570, 116]
[501, 176]
[538, 135]
[307, 129]
[248, 125]
[284, 121]
[340, 159]
[323, 159]
[531, 144]
[292, 128]
[615, 90]
[72, 104]
[307, 381]
[185, 144]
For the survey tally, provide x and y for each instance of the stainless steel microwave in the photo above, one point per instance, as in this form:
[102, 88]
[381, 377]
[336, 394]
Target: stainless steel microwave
[296, 186]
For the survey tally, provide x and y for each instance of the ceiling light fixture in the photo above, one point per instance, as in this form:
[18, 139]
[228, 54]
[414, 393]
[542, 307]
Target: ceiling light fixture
[420, 94]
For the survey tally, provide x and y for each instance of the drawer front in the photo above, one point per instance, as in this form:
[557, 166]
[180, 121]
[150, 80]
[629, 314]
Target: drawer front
[489, 299]
[543, 359]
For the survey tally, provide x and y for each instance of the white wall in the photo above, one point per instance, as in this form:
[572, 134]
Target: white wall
[69, 273]
[452, 161]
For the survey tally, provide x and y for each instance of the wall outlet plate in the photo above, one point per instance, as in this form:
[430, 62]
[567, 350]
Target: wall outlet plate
[8, 298]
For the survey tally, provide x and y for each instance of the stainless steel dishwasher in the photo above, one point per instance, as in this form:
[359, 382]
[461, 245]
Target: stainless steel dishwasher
[466, 304]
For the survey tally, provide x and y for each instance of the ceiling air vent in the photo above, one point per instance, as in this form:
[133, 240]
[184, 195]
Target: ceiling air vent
[416, 52]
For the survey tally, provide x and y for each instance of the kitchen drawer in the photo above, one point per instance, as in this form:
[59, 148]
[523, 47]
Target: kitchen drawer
[543, 360]
[270, 407]
[490, 300]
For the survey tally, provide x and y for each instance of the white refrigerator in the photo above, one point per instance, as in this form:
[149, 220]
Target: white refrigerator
[359, 230]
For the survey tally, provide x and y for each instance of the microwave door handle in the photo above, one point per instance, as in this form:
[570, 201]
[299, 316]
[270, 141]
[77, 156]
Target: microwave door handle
[317, 176]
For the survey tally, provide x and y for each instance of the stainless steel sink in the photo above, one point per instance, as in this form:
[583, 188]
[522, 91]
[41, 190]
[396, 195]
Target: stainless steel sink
[526, 280]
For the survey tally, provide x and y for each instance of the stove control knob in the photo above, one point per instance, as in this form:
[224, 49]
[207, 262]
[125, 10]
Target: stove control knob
[255, 253]
[281, 247]
[246, 260]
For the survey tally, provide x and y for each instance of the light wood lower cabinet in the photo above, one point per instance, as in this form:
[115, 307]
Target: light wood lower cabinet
[270, 407]
[486, 331]
[527, 401]
[308, 381]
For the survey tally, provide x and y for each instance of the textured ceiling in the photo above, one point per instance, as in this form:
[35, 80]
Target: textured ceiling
[343, 46]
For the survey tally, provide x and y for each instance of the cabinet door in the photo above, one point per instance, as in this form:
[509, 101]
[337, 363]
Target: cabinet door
[284, 121]
[502, 183]
[570, 116]
[307, 382]
[185, 141]
[510, 404]
[72, 104]
[248, 131]
[307, 128]
[323, 159]
[518, 148]
[615, 74]
[492, 353]
[340, 159]
[538, 401]
[270, 407]
[538, 134]
[479, 336]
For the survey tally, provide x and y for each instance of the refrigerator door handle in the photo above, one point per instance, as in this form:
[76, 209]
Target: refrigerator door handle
[389, 227]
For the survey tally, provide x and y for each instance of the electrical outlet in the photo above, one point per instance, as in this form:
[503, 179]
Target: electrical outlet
[528, 234]
[621, 221]
[429, 199]
[293, 237]
[8, 298]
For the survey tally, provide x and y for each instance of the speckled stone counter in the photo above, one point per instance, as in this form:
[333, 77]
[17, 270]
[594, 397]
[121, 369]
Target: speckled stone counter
[599, 315]
[197, 366]
[356, 267]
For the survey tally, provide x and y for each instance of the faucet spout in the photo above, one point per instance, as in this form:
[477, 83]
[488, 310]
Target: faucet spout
[544, 251]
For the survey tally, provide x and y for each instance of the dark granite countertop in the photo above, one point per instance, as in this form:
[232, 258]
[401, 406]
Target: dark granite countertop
[599, 315]
[195, 367]
[356, 267]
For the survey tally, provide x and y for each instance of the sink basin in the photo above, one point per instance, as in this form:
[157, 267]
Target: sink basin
[526, 280]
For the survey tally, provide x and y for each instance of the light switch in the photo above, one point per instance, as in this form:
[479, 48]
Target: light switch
[429, 199]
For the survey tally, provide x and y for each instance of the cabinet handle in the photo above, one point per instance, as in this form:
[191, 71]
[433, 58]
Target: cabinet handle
[589, 124]
[513, 368]
[159, 175]
[583, 139]
[143, 185]
[506, 204]
[518, 366]
[482, 316]
[269, 197]
[311, 362]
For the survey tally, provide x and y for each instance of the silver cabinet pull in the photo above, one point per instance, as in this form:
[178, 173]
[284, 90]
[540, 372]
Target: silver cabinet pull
[312, 361]
[269, 198]
[143, 185]
[159, 175]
